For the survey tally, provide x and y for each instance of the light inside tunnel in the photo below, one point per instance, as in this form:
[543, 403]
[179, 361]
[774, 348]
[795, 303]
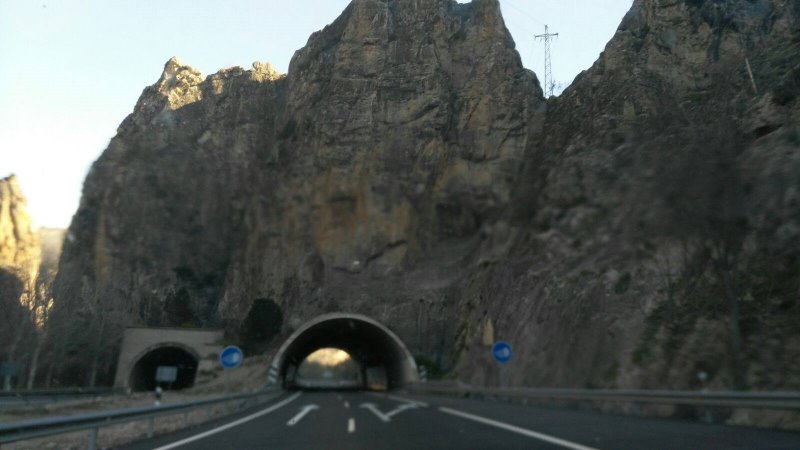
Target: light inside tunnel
[329, 357]
[143, 375]
[329, 368]
[382, 359]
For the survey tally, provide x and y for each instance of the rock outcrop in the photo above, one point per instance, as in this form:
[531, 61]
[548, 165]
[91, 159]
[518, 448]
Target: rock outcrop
[408, 168]
[361, 180]
[19, 244]
[657, 160]
[20, 255]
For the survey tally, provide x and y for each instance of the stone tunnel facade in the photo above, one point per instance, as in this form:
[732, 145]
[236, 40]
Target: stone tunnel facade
[383, 358]
[145, 349]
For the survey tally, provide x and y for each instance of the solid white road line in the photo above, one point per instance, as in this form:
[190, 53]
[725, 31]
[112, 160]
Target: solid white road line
[303, 411]
[235, 423]
[516, 429]
[351, 425]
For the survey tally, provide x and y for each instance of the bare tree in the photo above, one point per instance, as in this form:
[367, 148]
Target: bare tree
[39, 302]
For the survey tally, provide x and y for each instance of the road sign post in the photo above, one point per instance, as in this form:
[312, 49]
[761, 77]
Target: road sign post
[501, 352]
[230, 358]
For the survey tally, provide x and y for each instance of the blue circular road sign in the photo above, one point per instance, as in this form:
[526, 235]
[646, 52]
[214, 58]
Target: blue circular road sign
[501, 352]
[231, 357]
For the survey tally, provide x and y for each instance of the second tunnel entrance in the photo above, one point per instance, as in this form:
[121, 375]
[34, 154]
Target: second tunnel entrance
[383, 359]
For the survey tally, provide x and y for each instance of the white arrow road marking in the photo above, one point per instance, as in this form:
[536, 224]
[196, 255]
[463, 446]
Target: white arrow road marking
[402, 408]
[303, 411]
[388, 416]
[516, 429]
[351, 425]
[405, 400]
[374, 408]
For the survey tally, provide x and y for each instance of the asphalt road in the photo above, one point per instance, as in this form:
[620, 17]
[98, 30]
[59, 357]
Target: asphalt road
[359, 420]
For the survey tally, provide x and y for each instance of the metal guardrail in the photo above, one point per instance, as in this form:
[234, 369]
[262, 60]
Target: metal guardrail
[733, 399]
[60, 392]
[16, 399]
[49, 426]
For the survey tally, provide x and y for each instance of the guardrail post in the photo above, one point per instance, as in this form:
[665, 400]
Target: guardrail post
[92, 439]
[151, 425]
[707, 416]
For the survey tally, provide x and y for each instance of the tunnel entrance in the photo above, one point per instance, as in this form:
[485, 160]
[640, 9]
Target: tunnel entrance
[329, 368]
[173, 362]
[383, 360]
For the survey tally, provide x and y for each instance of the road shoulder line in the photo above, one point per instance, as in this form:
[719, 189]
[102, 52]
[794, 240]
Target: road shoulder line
[229, 425]
[516, 429]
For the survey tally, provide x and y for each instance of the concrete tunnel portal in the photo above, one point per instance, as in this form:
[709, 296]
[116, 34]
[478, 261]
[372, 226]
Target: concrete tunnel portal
[183, 360]
[384, 360]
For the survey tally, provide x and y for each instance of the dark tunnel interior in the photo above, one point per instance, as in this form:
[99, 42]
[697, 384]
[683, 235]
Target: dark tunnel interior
[143, 374]
[378, 355]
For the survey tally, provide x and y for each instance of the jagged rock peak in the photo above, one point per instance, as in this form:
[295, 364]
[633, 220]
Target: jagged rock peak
[179, 84]
[265, 72]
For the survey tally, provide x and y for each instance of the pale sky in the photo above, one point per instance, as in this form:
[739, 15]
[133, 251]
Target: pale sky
[71, 70]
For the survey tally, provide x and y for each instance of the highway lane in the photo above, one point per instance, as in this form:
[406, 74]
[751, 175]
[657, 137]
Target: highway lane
[359, 420]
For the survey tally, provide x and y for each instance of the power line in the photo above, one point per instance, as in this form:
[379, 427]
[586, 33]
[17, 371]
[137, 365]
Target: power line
[549, 83]
[522, 11]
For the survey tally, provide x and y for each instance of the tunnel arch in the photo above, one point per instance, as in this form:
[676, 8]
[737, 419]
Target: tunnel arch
[142, 373]
[375, 347]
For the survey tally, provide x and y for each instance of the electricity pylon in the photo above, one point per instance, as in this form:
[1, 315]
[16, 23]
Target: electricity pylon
[549, 83]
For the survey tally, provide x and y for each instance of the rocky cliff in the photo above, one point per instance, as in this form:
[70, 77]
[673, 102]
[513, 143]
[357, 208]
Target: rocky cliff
[659, 212]
[19, 244]
[20, 255]
[408, 168]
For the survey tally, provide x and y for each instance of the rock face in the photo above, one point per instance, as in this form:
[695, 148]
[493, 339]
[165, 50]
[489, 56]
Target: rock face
[19, 245]
[19, 265]
[408, 168]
